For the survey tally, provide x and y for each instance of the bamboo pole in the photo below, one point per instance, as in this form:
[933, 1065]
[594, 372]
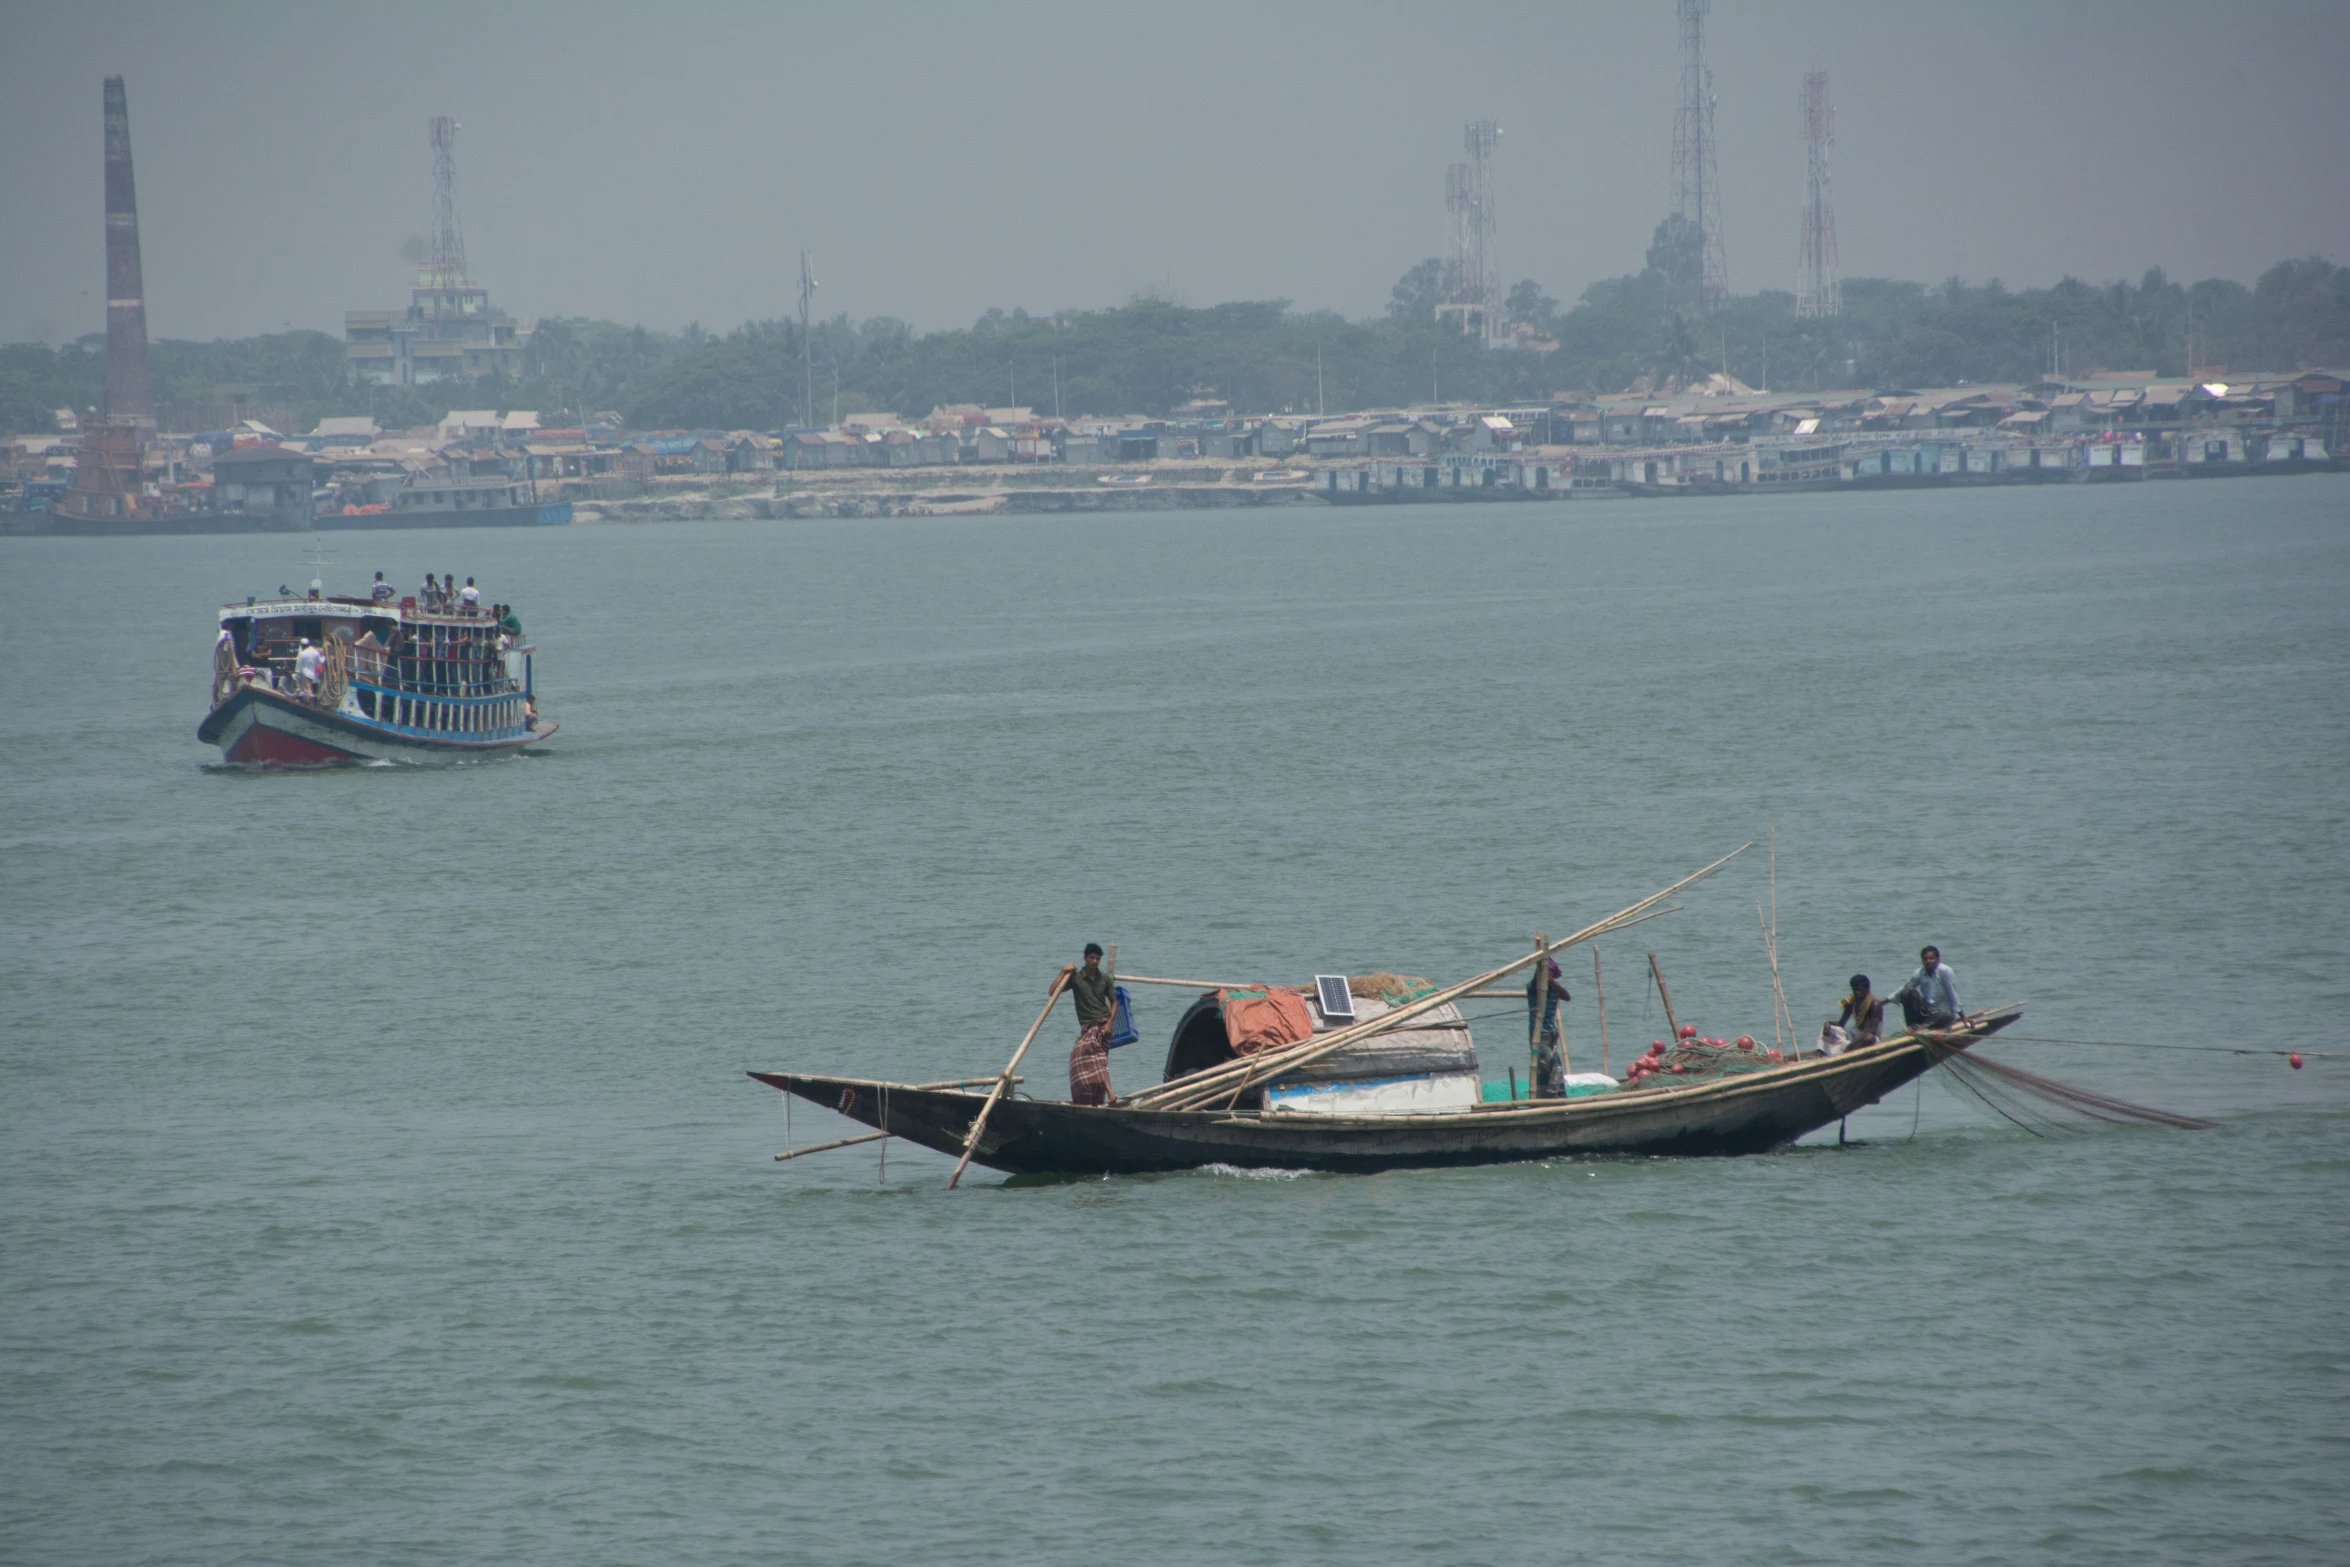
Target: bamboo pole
[838, 1142]
[1189, 984]
[1199, 1087]
[1599, 990]
[1671, 1022]
[1778, 991]
[867, 1137]
[1004, 1079]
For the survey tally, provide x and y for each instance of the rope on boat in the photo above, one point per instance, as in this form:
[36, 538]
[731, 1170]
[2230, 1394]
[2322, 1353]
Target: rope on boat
[335, 678]
[2140, 1044]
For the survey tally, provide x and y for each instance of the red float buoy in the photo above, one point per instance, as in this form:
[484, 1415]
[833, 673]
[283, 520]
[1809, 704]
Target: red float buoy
[1746, 1041]
[2295, 1058]
[1689, 1031]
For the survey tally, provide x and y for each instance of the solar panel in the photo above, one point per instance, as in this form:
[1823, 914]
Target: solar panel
[1338, 1002]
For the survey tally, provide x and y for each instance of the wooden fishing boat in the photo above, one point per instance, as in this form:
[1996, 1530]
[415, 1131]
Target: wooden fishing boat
[1751, 1112]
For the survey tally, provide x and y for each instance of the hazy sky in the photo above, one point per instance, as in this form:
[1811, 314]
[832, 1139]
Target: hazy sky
[661, 164]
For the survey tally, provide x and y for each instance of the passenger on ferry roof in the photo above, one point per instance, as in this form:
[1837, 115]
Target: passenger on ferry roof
[470, 597]
[382, 591]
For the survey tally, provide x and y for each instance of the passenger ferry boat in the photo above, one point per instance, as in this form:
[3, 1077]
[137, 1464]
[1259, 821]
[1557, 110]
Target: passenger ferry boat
[394, 683]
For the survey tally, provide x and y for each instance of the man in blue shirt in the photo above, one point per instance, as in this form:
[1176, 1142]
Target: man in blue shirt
[1930, 999]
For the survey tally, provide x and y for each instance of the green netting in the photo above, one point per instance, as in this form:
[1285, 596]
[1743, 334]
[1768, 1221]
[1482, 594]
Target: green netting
[1499, 1093]
[1695, 1061]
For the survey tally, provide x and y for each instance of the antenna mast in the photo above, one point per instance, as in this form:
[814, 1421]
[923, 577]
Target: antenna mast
[1697, 196]
[1818, 291]
[807, 345]
[446, 268]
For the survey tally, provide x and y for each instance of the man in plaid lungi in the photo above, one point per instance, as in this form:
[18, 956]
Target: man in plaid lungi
[1089, 1058]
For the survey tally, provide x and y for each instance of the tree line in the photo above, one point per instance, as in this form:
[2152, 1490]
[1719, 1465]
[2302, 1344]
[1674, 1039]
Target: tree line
[1149, 355]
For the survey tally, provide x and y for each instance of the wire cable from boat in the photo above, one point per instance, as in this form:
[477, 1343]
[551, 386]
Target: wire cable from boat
[2141, 1044]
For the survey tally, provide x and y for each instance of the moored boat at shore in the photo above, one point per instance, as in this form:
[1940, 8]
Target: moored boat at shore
[380, 681]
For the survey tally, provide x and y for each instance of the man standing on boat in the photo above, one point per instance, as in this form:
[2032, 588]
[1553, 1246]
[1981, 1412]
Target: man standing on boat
[1930, 999]
[306, 664]
[1550, 1053]
[1089, 1058]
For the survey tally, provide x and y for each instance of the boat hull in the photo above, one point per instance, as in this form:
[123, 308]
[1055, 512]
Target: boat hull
[1750, 1113]
[257, 727]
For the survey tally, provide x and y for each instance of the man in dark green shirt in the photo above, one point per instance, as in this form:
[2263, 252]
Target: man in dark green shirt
[1089, 1058]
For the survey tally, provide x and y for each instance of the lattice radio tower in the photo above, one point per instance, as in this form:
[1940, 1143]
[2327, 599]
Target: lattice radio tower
[446, 269]
[1697, 196]
[1818, 291]
[1471, 286]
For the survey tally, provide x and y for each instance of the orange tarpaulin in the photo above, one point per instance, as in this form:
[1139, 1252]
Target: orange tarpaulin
[1260, 1019]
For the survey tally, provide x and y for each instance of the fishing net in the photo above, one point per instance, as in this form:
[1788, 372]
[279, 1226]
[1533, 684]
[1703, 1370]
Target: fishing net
[1698, 1060]
[1395, 989]
[2044, 1106]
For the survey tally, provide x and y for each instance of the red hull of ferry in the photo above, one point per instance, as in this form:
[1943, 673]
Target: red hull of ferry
[256, 727]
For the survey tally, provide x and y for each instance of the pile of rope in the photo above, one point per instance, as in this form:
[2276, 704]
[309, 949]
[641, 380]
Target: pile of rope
[334, 675]
[1693, 1058]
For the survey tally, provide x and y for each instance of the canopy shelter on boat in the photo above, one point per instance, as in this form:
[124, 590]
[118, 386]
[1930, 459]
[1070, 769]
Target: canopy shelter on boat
[1431, 1065]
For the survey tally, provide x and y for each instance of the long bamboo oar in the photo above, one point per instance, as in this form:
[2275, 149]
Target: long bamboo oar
[1004, 1080]
[1198, 1088]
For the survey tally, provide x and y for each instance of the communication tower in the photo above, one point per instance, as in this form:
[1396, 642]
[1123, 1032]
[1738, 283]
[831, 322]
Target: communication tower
[1818, 291]
[1471, 286]
[446, 268]
[1702, 270]
[807, 346]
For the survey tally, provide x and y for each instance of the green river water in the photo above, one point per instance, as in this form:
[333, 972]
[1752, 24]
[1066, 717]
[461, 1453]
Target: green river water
[379, 1182]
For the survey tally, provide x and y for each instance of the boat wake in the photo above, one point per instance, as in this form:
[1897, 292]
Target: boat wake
[1237, 1173]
